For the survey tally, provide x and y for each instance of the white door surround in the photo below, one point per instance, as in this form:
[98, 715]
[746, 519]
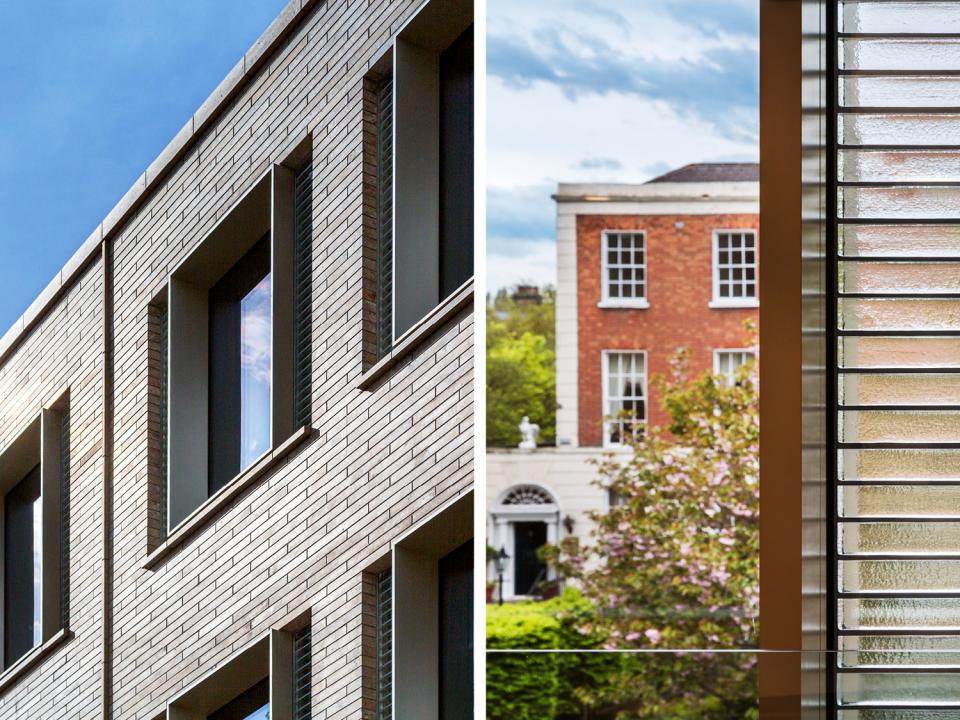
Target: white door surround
[521, 503]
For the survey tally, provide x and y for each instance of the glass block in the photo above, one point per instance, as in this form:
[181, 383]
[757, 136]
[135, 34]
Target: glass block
[899, 352]
[928, 650]
[932, 92]
[900, 240]
[899, 501]
[882, 389]
[902, 714]
[900, 17]
[920, 538]
[899, 426]
[903, 203]
[893, 688]
[901, 613]
[902, 278]
[900, 129]
[900, 575]
[895, 465]
[899, 54]
[899, 165]
[861, 314]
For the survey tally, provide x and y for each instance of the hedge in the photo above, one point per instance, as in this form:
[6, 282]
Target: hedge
[601, 686]
[543, 686]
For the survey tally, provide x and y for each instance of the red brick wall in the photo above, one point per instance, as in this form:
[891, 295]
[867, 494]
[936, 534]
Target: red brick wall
[679, 289]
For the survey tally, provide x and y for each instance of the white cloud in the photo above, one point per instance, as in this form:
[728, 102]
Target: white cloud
[539, 136]
[541, 131]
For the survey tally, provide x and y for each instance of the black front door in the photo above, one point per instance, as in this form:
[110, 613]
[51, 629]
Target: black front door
[528, 568]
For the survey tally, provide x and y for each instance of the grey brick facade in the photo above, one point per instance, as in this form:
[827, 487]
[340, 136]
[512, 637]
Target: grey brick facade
[303, 536]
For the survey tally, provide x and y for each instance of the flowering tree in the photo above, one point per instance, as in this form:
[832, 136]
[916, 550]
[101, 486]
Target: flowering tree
[674, 563]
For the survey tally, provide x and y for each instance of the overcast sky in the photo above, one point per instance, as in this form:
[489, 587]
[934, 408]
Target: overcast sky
[92, 91]
[606, 90]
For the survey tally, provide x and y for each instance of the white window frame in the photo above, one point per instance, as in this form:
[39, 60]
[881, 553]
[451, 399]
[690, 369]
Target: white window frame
[734, 302]
[724, 351]
[606, 301]
[604, 397]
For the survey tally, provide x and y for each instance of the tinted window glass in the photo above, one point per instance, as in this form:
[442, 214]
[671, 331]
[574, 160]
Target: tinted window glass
[22, 553]
[240, 366]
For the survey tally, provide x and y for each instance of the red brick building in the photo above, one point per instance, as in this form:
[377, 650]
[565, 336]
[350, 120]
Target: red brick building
[643, 270]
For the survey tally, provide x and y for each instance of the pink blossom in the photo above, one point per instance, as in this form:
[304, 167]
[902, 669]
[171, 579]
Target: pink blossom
[654, 636]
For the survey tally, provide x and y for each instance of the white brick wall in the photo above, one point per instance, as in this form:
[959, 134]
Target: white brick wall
[377, 462]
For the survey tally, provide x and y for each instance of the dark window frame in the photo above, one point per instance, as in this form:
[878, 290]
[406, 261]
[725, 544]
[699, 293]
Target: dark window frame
[20, 611]
[225, 403]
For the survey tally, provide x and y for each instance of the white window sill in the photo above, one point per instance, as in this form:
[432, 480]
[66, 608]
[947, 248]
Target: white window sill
[219, 500]
[12, 675]
[623, 304]
[728, 304]
[617, 448]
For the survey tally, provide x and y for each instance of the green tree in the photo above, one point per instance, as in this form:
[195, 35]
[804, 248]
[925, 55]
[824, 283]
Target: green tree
[521, 368]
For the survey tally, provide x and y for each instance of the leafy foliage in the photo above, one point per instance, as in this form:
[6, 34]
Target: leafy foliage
[543, 686]
[674, 562]
[521, 368]
[598, 686]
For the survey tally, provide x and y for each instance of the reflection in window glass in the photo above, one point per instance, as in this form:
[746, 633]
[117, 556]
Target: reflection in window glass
[255, 366]
[260, 714]
[37, 567]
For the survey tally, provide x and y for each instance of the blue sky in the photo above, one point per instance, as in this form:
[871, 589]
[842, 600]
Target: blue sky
[92, 91]
[606, 91]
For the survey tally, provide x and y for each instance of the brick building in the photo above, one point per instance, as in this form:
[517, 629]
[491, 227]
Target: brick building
[236, 429]
[641, 271]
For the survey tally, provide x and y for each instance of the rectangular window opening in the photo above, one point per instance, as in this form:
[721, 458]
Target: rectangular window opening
[232, 347]
[34, 477]
[726, 363]
[240, 366]
[624, 394]
[418, 142]
[624, 268]
[734, 267]
[22, 542]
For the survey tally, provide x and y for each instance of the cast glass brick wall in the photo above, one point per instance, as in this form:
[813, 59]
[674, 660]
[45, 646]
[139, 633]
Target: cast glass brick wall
[898, 358]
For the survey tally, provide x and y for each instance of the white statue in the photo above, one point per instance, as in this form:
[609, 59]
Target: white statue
[529, 432]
